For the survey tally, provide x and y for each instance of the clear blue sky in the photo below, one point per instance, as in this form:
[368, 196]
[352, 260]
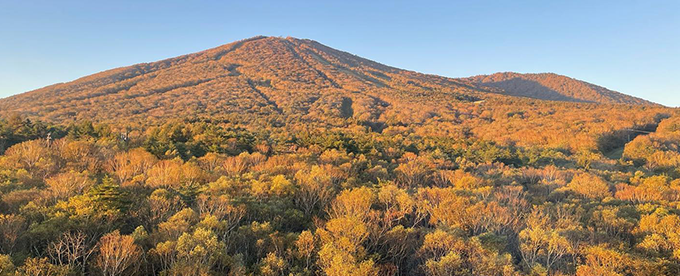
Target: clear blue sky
[629, 46]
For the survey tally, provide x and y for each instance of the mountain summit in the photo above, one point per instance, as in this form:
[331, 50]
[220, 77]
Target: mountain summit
[272, 75]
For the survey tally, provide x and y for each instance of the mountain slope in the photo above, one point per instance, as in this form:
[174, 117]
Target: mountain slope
[287, 79]
[263, 75]
[296, 85]
[549, 86]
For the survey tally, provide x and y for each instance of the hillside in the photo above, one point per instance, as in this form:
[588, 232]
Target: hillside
[261, 75]
[549, 86]
[297, 83]
[285, 77]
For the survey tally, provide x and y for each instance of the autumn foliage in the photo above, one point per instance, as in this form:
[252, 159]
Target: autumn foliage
[275, 156]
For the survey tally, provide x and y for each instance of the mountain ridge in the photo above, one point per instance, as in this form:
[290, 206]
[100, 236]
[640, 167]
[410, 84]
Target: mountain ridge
[552, 86]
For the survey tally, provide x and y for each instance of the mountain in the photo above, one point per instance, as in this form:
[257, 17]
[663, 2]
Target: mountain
[296, 85]
[279, 76]
[549, 86]
[261, 75]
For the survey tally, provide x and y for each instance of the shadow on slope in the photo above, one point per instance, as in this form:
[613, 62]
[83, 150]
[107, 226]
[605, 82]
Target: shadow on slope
[612, 144]
[531, 89]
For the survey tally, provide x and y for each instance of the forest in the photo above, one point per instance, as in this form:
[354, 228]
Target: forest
[219, 197]
[282, 156]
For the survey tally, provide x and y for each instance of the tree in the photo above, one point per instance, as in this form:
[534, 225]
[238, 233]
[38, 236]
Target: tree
[6, 266]
[585, 158]
[273, 265]
[337, 262]
[82, 156]
[211, 162]
[110, 196]
[589, 186]
[174, 174]
[654, 188]
[235, 165]
[414, 171]
[305, 246]
[193, 253]
[200, 250]
[35, 156]
[166, 174]
[72, 249]
[444, 207]
[542, 241]
[315, 189]
[354, 203]
[65, 185]
[448, 254]
[131, 165]
[396, 203]
[118, 254]
[277, 186]
[42, 267]
[223, 209]
[161, 204]
[178, 224]
[11, 228]
[601, 261]
[661, 232]
[342, 252]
